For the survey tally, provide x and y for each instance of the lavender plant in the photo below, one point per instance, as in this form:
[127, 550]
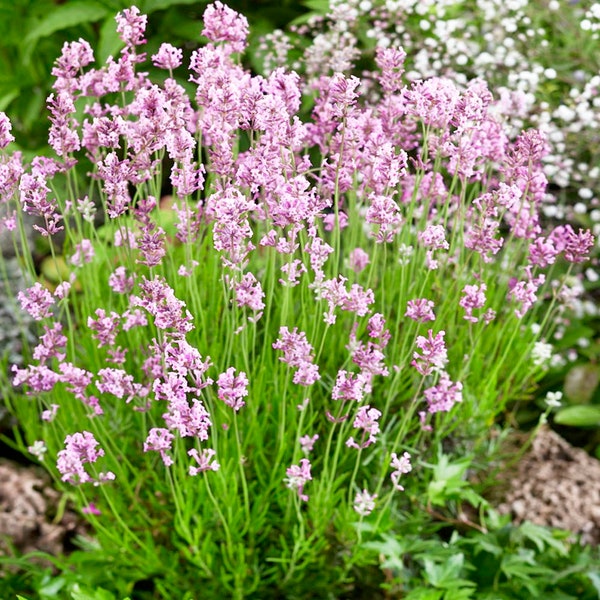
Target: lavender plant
[245, 382]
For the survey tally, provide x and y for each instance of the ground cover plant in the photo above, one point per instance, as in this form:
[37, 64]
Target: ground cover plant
[300, 352]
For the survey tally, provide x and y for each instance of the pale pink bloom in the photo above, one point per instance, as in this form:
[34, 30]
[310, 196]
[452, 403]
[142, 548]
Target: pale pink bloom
[204, 461]
[48, 415]
[168, 57]
[443, 396]
[84, 253]
[401, 466]
[298, 476]
[434, 356]
[367, 419]
[420, 310]
[307, 443]
[364, 503]
[222, 24]
[233, 388]
[80, 449]
[359, 259]
[473, 298]
[160, 440]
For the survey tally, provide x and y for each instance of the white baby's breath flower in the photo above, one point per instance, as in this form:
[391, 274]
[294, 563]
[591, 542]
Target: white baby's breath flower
[38, 449]
[541, 355]
[553, 399]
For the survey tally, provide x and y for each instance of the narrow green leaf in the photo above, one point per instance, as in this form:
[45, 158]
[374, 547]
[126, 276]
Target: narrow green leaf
[542, 537]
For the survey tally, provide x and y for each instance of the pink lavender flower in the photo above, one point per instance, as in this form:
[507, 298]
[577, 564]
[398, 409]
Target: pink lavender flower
[5, 128]
[221, 24]
[37, 301]
[91, 509]
[49, 414]
[106, 327]
[433, 101]
[189, 421]
[364, 503]
[391, 64]
[298, 476]
[295, 347]
[473, 298]
[420, 310]
[120, 282]
[434, 355]
[307, 443]
[160, 440]
[119, 383]
[443, 396]
[293, 270]
[158, 298]
[359, 259]
[401, 467]
[367, 419]
[74, 56]
[306, 374]
[542, 252]
[62, 136]
[481, 238]
[233, 388]
[39, 378]
[384, 212]
[151, 245]
[350, 386]
[84, 253]
[575, 246]
[52, 344]
[80, 449]
[329, 221]
[434, 237]
[368, 357]
[76, 381]
[376, 329]
[63, 288]
[204, 461]
[168, 57]
[249, 292]
[131, 25]
[133, 318]
[524, 292]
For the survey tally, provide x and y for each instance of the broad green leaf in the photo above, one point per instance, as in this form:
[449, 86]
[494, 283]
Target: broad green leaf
[149, 6]
[51, 586]
[7, 98]
[446, 574]
[320, 6]
[424, 594]
[66, 15]
[109, 42]
[80, 593]
[463, 593]
[584, 415]
[542, 537]
[595, 579]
